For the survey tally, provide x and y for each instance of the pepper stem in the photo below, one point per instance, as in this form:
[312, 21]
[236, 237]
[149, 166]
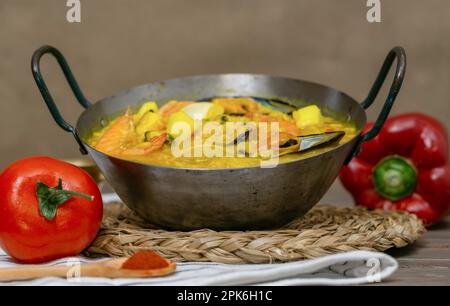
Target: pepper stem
[394, 178]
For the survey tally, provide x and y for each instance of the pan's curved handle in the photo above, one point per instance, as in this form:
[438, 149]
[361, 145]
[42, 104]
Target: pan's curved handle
[36, 69]
[396, 53]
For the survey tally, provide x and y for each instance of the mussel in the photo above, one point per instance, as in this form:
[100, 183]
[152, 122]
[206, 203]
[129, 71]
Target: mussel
[279, 105]
[308, 142]
[299, 143]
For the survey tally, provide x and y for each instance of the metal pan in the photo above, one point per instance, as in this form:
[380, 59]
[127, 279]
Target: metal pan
[225, 199]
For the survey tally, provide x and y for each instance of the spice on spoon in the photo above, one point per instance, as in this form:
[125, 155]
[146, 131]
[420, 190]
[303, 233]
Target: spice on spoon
[145, 260]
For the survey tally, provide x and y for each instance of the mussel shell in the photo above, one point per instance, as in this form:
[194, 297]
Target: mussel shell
[289, 143]
[314, 141]
[241, 138]
[276, 104]
[309, 142]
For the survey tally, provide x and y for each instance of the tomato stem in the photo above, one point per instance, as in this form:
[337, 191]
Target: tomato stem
[74, 193]
[51, 197]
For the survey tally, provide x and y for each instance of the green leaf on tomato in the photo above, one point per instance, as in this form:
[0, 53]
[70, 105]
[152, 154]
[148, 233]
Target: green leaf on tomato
[51, 197]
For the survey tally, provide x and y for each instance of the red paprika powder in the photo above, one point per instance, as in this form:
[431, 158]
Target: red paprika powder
[145, 261]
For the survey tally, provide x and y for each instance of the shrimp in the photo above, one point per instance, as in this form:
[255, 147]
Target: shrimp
[286, 126]
[237, 105]
[118, 136]
[289, 127]
[145, 148]
[173, 107]
[121, 138]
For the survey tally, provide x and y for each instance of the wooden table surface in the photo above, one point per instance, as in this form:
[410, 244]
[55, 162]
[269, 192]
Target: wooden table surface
[426, 262]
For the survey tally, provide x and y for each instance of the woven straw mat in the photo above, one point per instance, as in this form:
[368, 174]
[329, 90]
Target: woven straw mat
[322, 231]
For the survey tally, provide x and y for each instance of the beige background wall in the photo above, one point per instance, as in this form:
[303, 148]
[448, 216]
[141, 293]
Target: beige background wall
[122, 43]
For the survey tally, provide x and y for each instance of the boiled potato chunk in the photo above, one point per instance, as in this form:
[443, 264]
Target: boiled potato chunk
[178, 117]
[214, 112]
[145, 108]
[308, 116]
[149, 122]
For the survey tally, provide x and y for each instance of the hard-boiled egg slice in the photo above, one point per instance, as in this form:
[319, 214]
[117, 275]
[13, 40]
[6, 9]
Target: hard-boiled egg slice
[203, 110]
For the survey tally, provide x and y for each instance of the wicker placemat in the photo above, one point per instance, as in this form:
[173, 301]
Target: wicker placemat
[324, 230]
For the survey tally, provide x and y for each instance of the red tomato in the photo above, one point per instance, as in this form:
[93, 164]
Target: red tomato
[59, 223]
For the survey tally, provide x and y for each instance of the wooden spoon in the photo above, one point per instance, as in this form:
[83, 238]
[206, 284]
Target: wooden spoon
[108, 269]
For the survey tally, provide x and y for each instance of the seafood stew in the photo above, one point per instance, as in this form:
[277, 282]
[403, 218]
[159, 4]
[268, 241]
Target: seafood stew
[148, 135]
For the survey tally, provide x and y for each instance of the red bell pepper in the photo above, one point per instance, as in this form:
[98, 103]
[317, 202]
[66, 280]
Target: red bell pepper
[405, 168]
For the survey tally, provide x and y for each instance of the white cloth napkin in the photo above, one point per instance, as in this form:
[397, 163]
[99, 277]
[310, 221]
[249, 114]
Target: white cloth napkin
[351, 268]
